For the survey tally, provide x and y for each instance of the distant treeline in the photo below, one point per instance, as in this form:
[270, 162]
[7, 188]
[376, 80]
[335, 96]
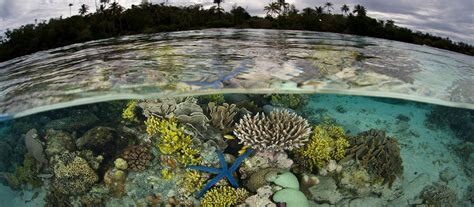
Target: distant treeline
[112, 20]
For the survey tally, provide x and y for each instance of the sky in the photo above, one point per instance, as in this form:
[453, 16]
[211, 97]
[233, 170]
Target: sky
[447, 18]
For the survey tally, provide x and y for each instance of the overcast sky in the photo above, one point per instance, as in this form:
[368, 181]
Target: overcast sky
[447, 18]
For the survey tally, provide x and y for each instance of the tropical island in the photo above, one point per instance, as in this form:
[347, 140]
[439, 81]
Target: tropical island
[111, 20]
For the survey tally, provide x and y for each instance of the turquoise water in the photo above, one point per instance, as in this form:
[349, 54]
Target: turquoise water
[300, 119]
[434, 148]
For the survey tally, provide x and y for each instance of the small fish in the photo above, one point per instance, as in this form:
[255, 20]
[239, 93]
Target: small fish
[242, 151]
[229, 137]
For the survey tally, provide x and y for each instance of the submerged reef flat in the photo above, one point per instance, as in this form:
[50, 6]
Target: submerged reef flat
[266, 150]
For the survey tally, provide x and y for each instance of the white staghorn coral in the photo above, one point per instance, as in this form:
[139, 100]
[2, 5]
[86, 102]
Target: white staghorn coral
[281, 130]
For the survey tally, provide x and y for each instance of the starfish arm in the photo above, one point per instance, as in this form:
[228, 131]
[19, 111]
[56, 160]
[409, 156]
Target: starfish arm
[212, 182]
[222, 159]
[204, 168]
[240, 159]
[232, 180]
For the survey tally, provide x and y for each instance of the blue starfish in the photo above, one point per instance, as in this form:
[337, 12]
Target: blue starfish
[222, 172]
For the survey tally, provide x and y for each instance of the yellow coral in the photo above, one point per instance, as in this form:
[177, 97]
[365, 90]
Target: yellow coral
[222, 196]
[129, 112]
[172, 140]
[166, 174]
[327, 142]
[193, 181]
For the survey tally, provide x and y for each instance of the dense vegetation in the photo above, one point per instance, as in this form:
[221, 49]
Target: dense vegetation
[113, 20]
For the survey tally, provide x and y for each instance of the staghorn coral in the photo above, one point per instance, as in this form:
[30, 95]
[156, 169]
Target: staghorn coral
[222, 117]
[379, 153]
[171, 140]
[293, 101]
[129, 112]
[73, 175]
[439, 195]
[281, 130]
[224, 196]
[137, 157]
[327, 142]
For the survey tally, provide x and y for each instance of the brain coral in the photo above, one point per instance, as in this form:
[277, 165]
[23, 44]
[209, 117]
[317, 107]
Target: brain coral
[281, 130]
[379, 153]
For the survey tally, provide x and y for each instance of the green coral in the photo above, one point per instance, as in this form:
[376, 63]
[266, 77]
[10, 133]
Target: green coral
[293, 101]
[171, 140]
[216, 98]
[223, 196]
[129, 111]
[193, 181]
[27, 173]
[328, 142]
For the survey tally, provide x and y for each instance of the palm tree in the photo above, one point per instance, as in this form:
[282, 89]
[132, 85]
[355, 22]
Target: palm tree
[328, 6]
[319, 10]
[360, 10]
[283, 5]
[83, 10]
[345, 9]
[70, 5]
[218, 2]
[272, 9]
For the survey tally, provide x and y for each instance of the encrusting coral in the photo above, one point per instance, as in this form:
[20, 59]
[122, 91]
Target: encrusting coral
[137, 157]
[171, 140]
[73, 175]
[224, 196]
[328, 142]
[281, 130]
[378, 152]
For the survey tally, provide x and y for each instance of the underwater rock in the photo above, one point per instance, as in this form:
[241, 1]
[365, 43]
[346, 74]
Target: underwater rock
[291, 197]
[80, 120]
[5, 156]
[96, 139]
[306, 182]
[415, 186]
[281, 130]
[258, 179]
[378, 152]
[367, 202]
[470, 193]
[439, 195]
[138, 157]
[262, 198]
[447, 175]
[34, 146]
[326, 191]
[114, 180]
[58, 142]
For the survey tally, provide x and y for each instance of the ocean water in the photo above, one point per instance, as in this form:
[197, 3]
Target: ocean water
[300, 119]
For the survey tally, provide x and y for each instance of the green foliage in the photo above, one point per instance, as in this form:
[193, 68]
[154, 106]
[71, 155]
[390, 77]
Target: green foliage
[114, 20]
[27, 173]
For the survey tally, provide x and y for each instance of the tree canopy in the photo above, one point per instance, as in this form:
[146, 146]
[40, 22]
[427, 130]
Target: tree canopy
[112, 20]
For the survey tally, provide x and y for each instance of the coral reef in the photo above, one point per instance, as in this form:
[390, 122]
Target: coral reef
[137, 157]
[78, 120]
[281, 130]
[129, 113]
[98, 139]
[380, 153]
[460, 121]
[292, 101]
[58, 142]
[172, 140]
[114, 180]
[216, 98]
[26, 174]
[328, 142]
[73, 175]
[223, 196]
[223, 172]
[439, 195]
[222, 117]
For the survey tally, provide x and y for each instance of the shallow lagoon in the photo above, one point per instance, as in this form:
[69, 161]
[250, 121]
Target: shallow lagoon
[436, 156]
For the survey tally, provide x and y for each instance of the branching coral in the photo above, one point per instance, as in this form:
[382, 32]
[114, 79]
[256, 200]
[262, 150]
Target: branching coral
[281, 130]
[137, 157]
[171, 140]
[378, 152]
[222, 117]
[129, 112]
[193, 181]
[223, 196]
[328, 142]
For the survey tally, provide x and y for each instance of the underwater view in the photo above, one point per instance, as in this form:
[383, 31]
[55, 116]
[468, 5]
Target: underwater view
[158, 105]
